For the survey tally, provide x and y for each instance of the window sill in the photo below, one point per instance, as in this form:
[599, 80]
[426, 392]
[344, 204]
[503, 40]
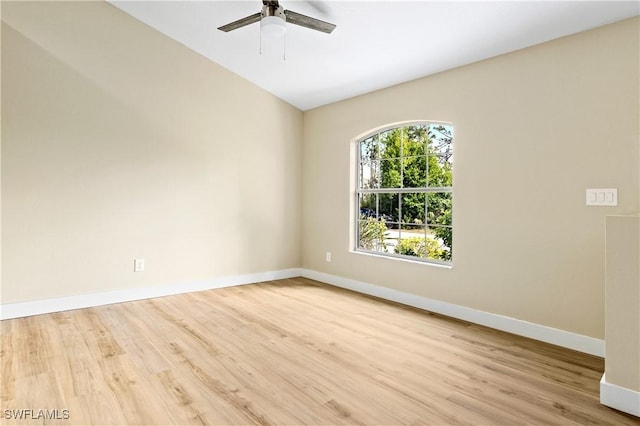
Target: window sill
[403, 259]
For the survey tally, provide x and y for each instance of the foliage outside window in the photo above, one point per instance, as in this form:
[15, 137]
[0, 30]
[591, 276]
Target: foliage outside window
[404, 195]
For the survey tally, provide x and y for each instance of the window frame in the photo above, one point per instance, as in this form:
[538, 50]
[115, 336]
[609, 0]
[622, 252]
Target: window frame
[359, 190]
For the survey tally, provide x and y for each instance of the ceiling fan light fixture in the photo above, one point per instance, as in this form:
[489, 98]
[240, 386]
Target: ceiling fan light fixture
[272, 26]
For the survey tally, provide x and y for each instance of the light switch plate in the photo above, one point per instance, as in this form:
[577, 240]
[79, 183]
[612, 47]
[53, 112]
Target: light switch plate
[602, 197]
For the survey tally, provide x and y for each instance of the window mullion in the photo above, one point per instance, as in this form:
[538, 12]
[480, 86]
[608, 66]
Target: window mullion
[404, 190]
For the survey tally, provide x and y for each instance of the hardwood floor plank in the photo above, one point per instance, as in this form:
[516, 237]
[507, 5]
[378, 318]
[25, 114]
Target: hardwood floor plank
[7, 362]
[289, 352]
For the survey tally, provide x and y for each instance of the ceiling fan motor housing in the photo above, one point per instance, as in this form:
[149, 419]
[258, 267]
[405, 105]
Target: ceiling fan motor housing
[273, 10]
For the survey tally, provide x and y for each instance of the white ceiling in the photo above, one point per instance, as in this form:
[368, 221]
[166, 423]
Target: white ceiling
[376, 43]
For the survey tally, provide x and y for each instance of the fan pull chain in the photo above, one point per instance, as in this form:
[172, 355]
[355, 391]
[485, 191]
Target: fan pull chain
[284, 46]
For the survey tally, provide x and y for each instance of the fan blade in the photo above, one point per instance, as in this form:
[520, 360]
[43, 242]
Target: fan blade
[308, 22]
[241, 22]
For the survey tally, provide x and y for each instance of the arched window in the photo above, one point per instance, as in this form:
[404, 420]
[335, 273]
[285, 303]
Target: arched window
[404, 192]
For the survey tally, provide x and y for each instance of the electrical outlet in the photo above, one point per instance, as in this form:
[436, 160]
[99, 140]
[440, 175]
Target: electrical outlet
[138, 265]
[327, 256]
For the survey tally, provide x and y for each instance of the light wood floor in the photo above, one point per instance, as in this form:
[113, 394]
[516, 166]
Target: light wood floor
[289, 352]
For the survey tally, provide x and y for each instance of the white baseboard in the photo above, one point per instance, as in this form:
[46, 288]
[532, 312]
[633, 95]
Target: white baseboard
[45, 306]
[543, 333]
[620, 398]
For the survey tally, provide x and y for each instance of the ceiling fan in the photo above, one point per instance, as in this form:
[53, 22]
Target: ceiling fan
[273, 13]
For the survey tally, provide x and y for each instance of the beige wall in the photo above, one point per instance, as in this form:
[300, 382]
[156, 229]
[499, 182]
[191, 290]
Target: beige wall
[533, 130]
[118, 142]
